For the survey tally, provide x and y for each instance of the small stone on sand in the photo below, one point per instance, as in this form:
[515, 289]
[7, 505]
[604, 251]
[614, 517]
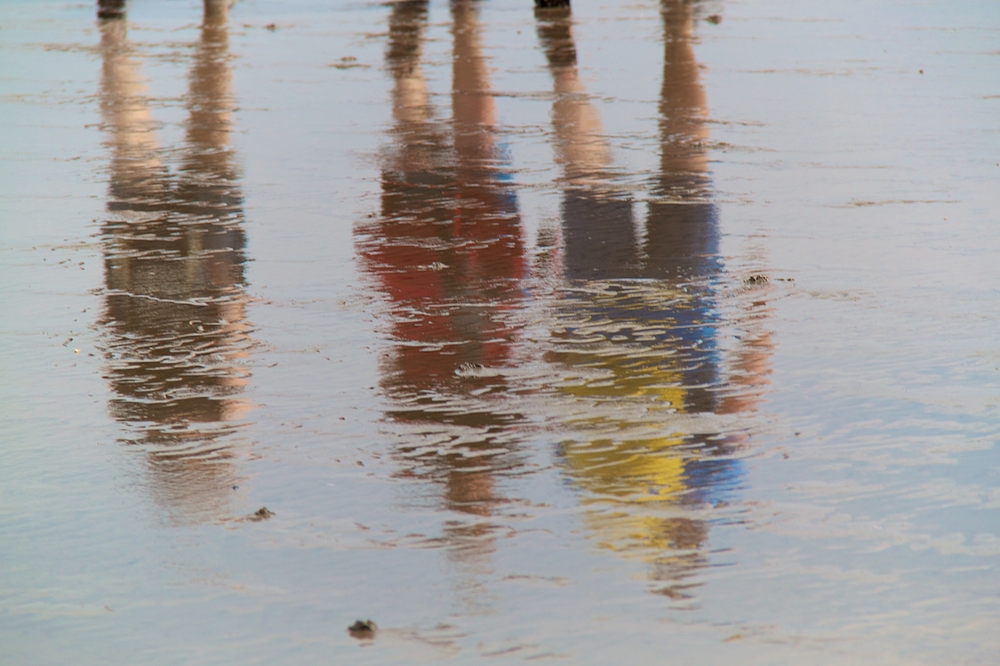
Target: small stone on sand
[364, 629]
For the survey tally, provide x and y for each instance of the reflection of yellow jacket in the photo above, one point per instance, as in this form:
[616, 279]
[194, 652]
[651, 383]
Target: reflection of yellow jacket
[628, 480]
[622, 359]
[630, 471]
[627, 371]
[636, 469]
[647, 537]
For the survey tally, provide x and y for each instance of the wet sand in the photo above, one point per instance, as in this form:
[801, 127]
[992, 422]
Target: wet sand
[659, 332]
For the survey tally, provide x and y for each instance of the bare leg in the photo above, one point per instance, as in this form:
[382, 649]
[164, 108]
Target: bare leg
[112, 9]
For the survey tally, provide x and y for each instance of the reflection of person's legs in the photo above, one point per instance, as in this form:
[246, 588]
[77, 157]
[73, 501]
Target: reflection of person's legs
[598, 228]
[473, 105]
[110, 9]
[216, 11]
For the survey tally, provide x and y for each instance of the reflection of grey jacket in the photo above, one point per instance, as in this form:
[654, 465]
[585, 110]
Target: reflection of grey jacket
[599, 236]
[601, 241]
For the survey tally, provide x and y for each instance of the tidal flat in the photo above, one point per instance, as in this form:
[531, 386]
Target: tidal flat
[456, 331]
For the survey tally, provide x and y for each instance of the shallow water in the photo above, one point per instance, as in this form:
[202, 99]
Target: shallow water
[657, 332]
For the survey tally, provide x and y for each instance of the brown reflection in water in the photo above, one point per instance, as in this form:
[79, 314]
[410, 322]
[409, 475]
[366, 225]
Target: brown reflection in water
[634, 334]
[749, 366]
[447, 251]
[176, 334]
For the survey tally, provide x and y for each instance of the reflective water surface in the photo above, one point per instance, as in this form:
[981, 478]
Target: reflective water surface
[660, 332]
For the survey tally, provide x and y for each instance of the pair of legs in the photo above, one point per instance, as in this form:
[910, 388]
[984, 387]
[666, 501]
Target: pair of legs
[109, 9]
[112, 9]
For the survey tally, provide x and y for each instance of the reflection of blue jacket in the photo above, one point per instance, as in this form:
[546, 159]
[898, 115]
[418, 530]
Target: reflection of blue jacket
[712, 480]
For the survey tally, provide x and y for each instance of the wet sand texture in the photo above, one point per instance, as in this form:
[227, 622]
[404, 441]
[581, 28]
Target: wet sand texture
[612, 333]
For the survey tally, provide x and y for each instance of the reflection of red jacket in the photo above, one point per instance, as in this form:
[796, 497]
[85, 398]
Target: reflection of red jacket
[450, 256]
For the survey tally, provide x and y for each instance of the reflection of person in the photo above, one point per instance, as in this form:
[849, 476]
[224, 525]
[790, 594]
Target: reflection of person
[447, 251]
[634, 335]
[175, 322]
